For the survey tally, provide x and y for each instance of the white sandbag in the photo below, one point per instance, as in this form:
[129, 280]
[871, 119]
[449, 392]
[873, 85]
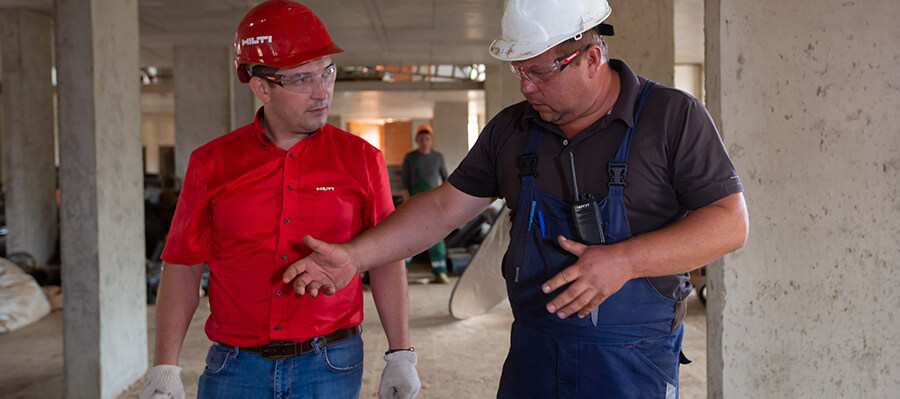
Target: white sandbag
[481, 287]
[21, 300]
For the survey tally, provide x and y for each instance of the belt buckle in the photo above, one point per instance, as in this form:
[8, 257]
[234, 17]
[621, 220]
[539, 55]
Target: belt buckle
[280, 352]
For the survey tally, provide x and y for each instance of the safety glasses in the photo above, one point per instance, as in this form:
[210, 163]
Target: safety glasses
[304, 82]
[537, 74]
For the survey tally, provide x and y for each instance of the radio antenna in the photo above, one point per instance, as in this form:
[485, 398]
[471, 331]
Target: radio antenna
[574, 179]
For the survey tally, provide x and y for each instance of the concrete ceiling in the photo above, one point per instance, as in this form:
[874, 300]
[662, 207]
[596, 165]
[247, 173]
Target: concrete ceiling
[372, 32]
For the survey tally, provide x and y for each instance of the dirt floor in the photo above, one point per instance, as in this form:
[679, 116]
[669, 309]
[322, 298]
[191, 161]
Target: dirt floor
[457, 359]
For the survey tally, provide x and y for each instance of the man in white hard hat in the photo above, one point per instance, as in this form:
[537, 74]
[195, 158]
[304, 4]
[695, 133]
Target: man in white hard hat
[618, 186]
[247, 199]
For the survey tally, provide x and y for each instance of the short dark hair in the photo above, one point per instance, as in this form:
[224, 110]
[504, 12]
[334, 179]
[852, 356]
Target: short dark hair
[264, 70]
[590, 36]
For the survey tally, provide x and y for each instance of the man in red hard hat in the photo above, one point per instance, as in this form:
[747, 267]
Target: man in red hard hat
[248, 199]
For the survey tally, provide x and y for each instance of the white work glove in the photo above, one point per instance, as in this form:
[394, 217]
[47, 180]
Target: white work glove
[165, 383]
[399, 380]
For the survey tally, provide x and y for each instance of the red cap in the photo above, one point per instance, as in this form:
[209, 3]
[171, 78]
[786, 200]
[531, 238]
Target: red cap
[281, 34]
[426, 127]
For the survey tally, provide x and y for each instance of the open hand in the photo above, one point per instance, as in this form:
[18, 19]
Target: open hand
[329, 268]
[598, 273]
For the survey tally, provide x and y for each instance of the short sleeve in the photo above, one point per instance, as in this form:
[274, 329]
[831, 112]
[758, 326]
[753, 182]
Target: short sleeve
[189, 241]
[381, 202]
[476, 175]
[702, 172]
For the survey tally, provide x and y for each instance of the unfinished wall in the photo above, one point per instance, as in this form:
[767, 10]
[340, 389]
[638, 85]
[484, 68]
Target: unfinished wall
[645, 37]
[450, 131]
[203, 105]
[806, 93]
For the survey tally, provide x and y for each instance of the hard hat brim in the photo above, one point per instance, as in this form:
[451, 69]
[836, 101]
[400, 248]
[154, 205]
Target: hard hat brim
[505, 50]
[244, 76]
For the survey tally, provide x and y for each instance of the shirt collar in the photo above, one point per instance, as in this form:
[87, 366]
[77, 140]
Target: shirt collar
[623, 109]
[260, 134]
[628, 92]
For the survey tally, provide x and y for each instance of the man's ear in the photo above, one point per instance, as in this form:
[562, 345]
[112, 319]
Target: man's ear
[261, 89]
[594, 59]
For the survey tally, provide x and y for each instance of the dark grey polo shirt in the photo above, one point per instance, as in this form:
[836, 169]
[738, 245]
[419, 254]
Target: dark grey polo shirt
[431, 168]
[677, 160]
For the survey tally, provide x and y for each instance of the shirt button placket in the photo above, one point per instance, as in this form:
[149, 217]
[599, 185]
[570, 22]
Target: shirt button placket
[286, 211]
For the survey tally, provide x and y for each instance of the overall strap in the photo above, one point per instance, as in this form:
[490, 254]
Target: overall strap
[618, 168]
[528, 160]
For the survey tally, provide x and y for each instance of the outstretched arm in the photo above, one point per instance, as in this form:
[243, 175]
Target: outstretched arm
[706, 234]
[416, 225]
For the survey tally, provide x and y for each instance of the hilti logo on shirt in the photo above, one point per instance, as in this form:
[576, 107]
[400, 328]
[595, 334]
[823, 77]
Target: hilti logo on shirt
[256, 40]
[324, 188]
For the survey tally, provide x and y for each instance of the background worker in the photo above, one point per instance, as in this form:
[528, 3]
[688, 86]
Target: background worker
[423, 170]
[592, 319]
[247, 200]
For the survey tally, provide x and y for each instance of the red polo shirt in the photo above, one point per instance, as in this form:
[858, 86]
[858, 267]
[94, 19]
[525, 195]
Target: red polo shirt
[244, 208]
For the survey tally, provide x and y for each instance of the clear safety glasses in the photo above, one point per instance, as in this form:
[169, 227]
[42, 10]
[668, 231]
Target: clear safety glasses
[537, 74]
[304, 82]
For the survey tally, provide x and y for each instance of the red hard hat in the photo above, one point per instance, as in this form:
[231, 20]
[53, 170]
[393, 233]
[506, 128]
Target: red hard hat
[281, 34]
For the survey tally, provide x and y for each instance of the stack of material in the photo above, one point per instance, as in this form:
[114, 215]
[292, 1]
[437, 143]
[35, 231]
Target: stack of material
[21, 300]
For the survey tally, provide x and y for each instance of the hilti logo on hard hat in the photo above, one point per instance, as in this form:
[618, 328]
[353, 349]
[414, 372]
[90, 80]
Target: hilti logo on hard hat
[256, 40]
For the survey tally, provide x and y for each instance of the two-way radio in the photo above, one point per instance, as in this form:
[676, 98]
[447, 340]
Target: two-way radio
[588, 220]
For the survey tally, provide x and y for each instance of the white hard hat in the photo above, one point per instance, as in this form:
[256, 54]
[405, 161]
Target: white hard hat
[531, 27]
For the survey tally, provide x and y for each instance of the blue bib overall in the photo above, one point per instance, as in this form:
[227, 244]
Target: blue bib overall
[626, 349]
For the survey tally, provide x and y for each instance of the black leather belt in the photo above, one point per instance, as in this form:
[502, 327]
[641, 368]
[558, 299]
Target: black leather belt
[280, 350]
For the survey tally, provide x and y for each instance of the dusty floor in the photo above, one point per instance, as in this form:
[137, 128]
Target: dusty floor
[457, 359]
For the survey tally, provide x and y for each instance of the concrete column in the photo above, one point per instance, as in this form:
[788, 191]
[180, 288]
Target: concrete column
[336, 121]
[450, 131]
[29, 170]
[203, 110]
[1, 115]
[645, 37]
[105, 335]
[242, 106]
[806, 97]
[501, 89]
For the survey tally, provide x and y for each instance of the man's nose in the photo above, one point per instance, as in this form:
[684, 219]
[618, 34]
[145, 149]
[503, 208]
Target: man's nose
[321, 90]
[526, 86]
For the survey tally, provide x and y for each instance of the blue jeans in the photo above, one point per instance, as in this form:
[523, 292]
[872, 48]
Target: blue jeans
[333, 371]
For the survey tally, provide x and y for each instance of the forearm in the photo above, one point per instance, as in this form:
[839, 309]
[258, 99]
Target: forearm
[415, 226]
[390, 292]
[177, 300]
[705, 235]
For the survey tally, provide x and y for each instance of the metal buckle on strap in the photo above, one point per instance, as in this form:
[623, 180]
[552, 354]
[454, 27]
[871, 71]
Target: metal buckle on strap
[279, 352]
[528, 165]
[617, 171]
